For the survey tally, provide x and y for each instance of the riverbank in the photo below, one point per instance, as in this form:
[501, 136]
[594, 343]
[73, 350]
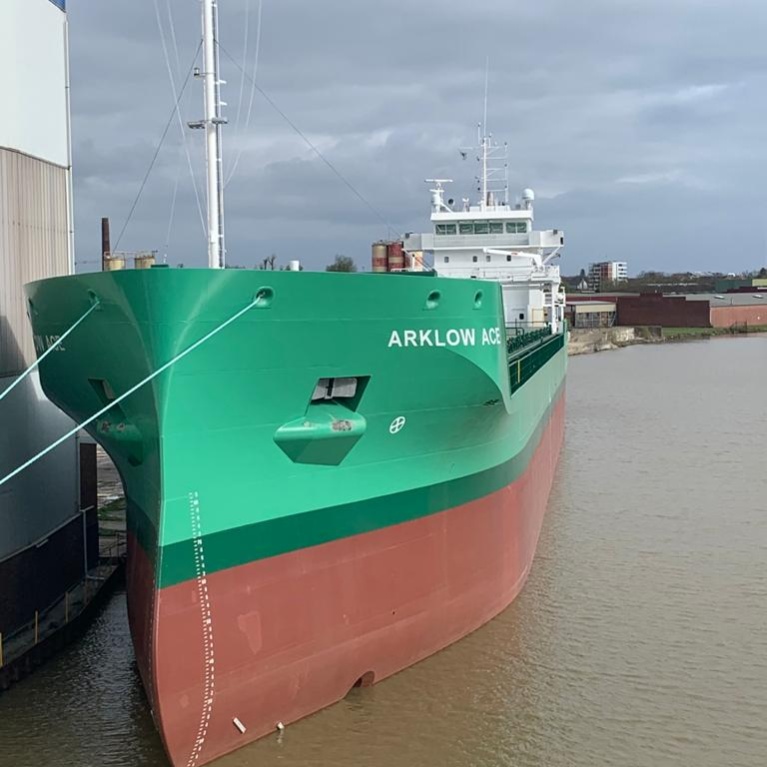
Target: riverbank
[591, 340]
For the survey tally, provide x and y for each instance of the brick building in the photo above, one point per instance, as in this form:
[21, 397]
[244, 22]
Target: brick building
[693, 311]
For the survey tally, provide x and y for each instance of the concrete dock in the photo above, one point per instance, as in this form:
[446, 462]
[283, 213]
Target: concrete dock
[52, 628]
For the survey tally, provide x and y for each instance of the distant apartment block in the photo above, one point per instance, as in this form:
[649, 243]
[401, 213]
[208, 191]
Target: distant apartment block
[604, 272]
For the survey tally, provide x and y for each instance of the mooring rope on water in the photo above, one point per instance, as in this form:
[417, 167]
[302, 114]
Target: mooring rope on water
[130, 391]
[51, 348]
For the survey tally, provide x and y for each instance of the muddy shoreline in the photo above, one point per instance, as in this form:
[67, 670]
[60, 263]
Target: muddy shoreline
[591, 341]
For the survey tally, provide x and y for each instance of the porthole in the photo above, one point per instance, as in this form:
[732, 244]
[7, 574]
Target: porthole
[432, 300]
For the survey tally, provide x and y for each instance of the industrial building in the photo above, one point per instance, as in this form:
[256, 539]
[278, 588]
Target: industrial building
[739, 283]
[698, 310]
[590, 313]
[48, 518]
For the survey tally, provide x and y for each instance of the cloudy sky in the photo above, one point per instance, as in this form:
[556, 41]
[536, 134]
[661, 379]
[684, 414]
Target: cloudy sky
[641, 124]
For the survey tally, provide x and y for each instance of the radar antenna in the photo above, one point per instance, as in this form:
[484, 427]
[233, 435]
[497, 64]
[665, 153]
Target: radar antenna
[438, 193]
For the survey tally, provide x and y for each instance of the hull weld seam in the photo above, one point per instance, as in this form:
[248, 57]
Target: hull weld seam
[207, 629]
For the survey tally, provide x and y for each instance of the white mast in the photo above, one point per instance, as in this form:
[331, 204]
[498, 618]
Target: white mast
[483, 138]
[212, 123]
[483, 159]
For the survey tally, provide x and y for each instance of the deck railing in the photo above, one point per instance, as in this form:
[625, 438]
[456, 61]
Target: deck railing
[526, 337]
[529, 352]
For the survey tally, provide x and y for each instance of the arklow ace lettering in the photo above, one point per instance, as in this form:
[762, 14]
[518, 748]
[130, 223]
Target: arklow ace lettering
[445, 338]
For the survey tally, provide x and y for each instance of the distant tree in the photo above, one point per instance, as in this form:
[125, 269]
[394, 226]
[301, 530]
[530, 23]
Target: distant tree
[268, 263]
[762, 273]
[342, 264]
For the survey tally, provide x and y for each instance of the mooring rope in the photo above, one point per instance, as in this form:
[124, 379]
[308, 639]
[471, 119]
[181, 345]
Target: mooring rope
[51, 348]
[130, 391]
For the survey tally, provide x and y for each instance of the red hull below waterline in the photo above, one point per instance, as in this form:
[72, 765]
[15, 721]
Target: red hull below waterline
[286, 636]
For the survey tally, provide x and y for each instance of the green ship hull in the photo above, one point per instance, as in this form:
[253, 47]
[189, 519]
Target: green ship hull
[344, 474]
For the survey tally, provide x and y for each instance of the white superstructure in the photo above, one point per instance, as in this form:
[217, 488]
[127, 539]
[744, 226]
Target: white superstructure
[494, 239]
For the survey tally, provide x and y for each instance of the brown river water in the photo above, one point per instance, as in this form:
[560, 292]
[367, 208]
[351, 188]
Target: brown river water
[640, 638]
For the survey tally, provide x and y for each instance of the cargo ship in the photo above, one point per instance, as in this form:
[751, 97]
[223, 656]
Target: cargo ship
[329, 476]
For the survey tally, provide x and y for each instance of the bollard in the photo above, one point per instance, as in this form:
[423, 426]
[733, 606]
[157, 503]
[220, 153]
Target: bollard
[37, 626]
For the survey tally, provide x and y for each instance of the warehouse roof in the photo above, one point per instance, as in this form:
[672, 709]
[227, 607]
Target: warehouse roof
[757, 298]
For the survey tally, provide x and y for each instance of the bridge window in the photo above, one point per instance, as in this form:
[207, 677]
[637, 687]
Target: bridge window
[447, 259]
[474, 259]
[445, 229]
[488, 227]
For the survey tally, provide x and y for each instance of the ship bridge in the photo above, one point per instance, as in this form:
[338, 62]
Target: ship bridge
[463, 242]
[495, 240]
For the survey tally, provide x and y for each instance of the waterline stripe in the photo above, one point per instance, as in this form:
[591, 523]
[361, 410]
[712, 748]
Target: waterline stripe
[241, 545]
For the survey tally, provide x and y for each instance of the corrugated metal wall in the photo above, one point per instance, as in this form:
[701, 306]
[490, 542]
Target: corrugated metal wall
[33, 245]
[727, 316]
[666, 311]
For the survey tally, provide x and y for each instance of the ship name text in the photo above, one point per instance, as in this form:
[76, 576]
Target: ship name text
[444, 338]
[43, 343]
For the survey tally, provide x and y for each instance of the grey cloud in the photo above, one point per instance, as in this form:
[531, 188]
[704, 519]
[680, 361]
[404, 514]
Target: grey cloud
[639, 124]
